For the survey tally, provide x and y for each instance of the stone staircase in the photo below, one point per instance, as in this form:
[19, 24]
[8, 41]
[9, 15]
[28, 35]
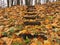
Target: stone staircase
[31, 14]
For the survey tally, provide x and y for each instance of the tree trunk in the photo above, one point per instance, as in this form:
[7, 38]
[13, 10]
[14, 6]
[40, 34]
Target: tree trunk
[11, 2]
[24, 2]
[35, 1]
[8, 3]
[27, 2]
[14, 2]
[18, 2]
[47, 1]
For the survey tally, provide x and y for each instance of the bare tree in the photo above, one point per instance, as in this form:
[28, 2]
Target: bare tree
[34, 2]
[24, 2]
[8, 3]
[38, 1]
[27, 2]
[47, 1]
[14, 2]
[11, 2]
[18, 2]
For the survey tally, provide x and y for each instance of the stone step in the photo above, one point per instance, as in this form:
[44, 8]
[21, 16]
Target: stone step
[33, 36]
[30, 13]
[32, 23]
[31, 7]
[31, 16]
[31, 10]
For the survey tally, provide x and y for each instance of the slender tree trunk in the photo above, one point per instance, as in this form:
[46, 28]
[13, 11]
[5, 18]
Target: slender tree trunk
[11, 2]
[47, 0]
[31, 2]
[35, 1]
[14, 2]
[27, 2]
[18, 2]
[23, 2]
[8, 3]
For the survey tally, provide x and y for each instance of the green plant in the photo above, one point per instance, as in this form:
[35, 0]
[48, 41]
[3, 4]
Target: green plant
[50, 17]
[11, 30]
[27, 40]
[17, 43]
[4, 33]
[19, 27]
